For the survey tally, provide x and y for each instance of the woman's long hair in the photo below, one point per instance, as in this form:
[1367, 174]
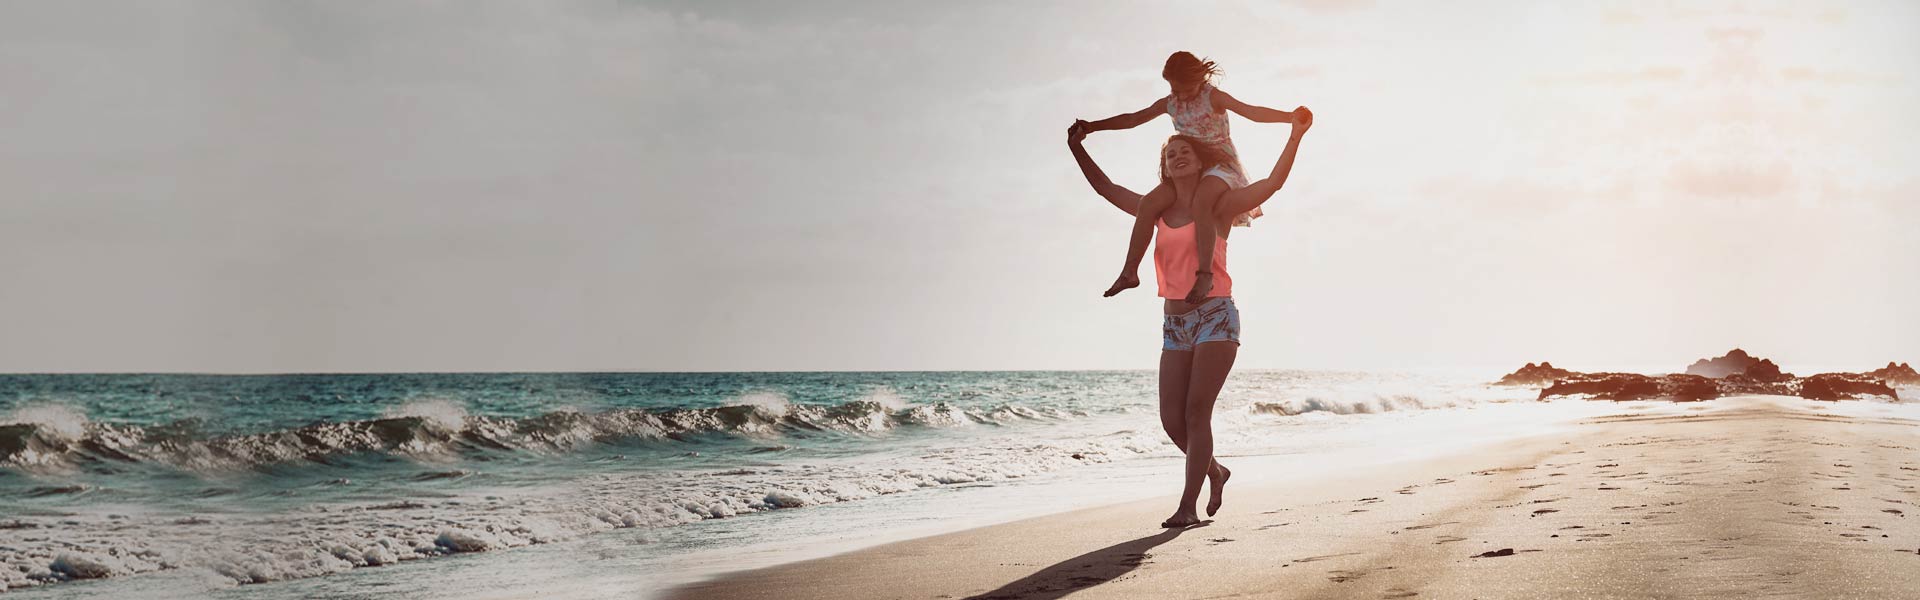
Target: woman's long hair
[1210, 156]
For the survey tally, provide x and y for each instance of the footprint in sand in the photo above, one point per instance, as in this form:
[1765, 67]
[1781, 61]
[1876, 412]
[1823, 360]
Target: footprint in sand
[1430, 525]
[1446, 539]
[1338, 576]
[1544, 511]
[1325, 557]
[1266, 527]
[1399, 593]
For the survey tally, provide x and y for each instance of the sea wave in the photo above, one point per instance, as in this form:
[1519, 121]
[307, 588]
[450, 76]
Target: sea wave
[1375, 400]
[50, 437]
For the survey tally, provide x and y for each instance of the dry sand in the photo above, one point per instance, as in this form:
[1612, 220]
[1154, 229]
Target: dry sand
[1753, 497]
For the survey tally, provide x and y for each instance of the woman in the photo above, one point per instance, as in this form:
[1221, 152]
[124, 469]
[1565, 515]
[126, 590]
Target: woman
[1201, 326]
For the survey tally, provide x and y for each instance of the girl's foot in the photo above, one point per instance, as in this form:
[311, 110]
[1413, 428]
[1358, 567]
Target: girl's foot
[1219, 486]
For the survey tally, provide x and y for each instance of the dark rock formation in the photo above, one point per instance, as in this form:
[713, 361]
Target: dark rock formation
[1896, 374]
[1634, 386]
[1844, 386]
[1738, 362]
[1737, 373]
[1532, 374]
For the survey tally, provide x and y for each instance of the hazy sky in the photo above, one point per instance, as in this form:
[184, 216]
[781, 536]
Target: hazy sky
[388, 186]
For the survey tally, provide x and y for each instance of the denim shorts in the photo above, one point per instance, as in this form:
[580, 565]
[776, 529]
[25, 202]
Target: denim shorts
[1215, 320]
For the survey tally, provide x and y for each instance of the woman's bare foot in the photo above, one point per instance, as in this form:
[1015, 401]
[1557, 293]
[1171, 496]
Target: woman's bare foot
[1219, 481]
[1125, 282]
[1181, 519]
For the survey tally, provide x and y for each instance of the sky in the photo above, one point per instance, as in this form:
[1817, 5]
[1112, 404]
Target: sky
[669, 186]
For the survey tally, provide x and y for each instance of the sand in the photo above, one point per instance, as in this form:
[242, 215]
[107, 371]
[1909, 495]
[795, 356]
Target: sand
[1751, 497]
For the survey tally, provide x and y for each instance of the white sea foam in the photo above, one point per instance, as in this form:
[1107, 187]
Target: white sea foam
[67, 422]
[446, 415]
[886, 397]
[772, 404]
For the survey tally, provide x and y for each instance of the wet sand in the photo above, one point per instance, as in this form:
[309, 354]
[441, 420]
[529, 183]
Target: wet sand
[1751, 497]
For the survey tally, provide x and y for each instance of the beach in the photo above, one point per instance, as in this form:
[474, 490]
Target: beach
[956, 484]
[1742, 497]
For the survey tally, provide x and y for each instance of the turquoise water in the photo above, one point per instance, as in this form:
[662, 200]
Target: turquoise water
[294, 481]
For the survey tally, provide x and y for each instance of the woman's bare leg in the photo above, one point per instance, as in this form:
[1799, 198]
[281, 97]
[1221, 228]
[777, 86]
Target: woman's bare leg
[1175, 368]
[1212, 362]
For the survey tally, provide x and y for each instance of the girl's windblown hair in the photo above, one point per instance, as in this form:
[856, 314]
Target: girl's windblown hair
[1185, 68]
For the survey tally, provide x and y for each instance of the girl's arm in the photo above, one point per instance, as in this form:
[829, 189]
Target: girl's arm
[1245, 199]
[1257, 114]
[1120, 197]
[1130, 120]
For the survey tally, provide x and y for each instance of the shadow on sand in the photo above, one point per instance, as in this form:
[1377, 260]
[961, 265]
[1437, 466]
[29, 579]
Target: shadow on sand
[1083, 571]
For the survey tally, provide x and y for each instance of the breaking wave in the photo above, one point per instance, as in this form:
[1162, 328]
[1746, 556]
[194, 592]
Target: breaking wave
[54, 436]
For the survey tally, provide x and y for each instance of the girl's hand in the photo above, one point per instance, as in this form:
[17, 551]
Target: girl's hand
[1202, 285]
[1126, 282]
[1077, 132]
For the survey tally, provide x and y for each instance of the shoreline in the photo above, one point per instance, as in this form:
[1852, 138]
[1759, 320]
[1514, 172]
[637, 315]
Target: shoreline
[1738, 497]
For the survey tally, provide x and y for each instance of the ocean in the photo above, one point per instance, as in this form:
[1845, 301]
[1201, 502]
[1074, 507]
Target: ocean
[478, 485]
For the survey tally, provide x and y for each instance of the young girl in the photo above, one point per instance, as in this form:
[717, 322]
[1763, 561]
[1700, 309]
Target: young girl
[1199, 111]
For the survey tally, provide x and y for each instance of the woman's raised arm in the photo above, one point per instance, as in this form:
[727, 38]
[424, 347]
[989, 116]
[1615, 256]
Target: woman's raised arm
[1245, 199]
[1122, 198]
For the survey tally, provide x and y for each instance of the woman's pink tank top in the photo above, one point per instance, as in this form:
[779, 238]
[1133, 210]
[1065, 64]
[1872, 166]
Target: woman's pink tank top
[1174, 261]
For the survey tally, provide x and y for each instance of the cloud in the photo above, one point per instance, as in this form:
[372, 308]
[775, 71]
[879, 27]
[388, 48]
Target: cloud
[1731, 181]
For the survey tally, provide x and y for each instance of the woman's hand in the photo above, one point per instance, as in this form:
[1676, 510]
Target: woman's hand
[1202, 285]
[1126, 282]
[1302, 119]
